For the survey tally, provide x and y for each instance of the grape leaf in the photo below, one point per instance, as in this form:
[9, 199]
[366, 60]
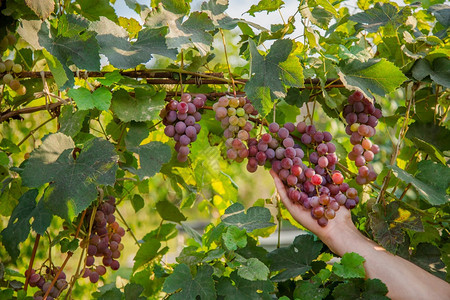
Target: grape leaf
[151, 157]
[169, 211]
[427, 192]
[133, 291]
[165, 232]
[428, 257]
[234, 238]
[59, 72]
[373, 76]
[114, 44]
[73, 182]
[80, 49]
[254, 270]
[144, 106]
[380, 15]
[295, 259]
[389, 222]
[307, 290]
[94, 9]
[265, 5]
[238, 288]
[442, 13]
[350, 266]
[149, 250]
[137, 132]
[255, 218]
[71, 122]
[216, 12]
[201, 284]
[100, 98]
[438, 72]
[111, 78]
[434, 174]
[370, 289]
[19, 223]
[429, 149]
[108, 292]
[137, 202]
[42, 8]
[270, 72]
[437, 136]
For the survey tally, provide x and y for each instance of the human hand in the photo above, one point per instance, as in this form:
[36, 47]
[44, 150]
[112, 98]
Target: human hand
[329, 234]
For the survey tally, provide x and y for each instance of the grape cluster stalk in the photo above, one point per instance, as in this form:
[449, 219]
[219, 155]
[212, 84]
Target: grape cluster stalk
[362, 118]
[181, 120]
[43, 282]
[104, 241]
[233, 114]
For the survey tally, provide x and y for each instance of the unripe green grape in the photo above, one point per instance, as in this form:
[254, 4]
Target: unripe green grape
[7, 78]
[2, 67]
[17, 68]
[240, 112]
[4, 44]
[9, 64]
[14, 84]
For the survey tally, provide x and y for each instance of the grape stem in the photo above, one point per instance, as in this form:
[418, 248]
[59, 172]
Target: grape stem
[401, 135]
[33, 255]
[128, 227]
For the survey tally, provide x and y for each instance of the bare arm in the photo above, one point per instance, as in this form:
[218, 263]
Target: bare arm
[403, 279]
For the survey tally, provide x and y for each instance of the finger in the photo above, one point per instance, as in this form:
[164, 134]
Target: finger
[282, 191]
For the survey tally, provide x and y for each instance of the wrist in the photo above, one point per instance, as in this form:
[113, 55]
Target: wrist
[342, 239]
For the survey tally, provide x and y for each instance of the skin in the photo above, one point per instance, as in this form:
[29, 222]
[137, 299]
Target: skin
[403, 279]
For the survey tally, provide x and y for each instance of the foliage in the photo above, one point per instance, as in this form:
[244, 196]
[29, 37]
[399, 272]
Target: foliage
[103, 135]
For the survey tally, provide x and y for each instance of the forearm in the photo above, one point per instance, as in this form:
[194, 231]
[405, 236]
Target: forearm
[404, 279]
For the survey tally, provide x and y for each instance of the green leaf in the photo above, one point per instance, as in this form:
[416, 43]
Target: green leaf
[201, 284]
[370, 289]
[295, 259]
[121, 53]
[265, 5]
[144, 106]
[213, 255]
[254, 270]
[437, 136]
[307, 290]
[255, 218]
[19, 223]
[380, 15]
[350, 266]
[234, 238]
[148, 251]
[376, 76]
[137, 132]
[42, 8]
[80, 49]
[270, 72]
[438, 72]
[108, 292]
[100, 98]
[73, 182]
[164, 232]
[427, 192]
[8, 146]
[388, 224]
[169, 211]
[71, 122]
[111, 78]
[11, 191]
[238, 288]
[93, 9]
[429, 149]
[137, 202]
[133, 291]
[216, 12]
[151, 156]
[59, 72]
[428, 257]
[442, 13]
[434, 174]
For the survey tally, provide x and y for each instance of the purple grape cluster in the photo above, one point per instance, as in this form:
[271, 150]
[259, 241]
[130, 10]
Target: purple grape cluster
[181, 120]
[105, 241]
[362, 118]
[233, 114]
[318, 187]
[44, 281]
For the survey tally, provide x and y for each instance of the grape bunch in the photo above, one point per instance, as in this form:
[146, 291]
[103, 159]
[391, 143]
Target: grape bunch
[180, 119]
[233, 113]
[362, 118]
[105, 241]
[10, 67]
[44, 281]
